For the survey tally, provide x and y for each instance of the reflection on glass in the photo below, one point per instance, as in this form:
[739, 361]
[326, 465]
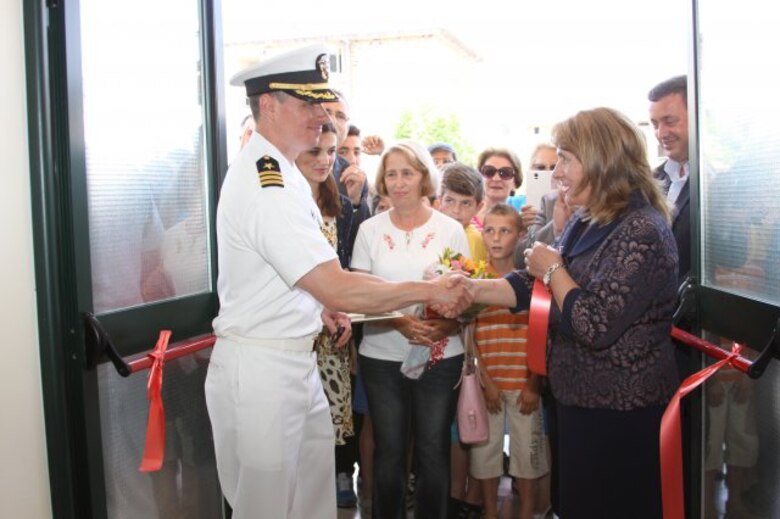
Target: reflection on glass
[186, 487]
[731, 442]
[740, 149]
[143, 131]
[742, 443]
[739, 68]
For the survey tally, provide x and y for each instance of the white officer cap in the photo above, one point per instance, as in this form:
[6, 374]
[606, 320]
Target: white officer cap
[301, 73]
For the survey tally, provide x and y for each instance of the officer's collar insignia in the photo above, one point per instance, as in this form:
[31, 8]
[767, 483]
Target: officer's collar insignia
[323, 65]
[268, 173]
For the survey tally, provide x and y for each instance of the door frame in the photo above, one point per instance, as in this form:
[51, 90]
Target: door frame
[716, 310]
[61, 245]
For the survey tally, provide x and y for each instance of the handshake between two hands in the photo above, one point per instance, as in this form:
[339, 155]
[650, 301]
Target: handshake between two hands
[455, 294]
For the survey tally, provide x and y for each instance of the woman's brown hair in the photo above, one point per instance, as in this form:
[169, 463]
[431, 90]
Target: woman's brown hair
[328, 199]
[613, 154]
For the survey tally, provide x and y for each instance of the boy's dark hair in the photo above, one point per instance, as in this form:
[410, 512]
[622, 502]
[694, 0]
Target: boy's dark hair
[502, 209]
[675, 85]
[353, 131]
[462, 180]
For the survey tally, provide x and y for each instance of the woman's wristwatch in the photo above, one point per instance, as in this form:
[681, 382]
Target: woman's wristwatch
[547, 277]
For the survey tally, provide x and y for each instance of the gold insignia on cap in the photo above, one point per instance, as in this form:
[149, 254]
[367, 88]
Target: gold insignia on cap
[317, 95]
[268, 173]
[297, 86]
[323, 64]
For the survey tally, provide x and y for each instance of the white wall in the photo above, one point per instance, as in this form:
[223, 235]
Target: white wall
[24, 483]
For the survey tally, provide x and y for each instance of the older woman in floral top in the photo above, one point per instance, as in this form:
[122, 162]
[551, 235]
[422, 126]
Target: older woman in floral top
[399, 245]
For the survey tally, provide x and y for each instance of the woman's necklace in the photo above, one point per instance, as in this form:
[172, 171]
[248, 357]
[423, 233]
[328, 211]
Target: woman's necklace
[409, 227]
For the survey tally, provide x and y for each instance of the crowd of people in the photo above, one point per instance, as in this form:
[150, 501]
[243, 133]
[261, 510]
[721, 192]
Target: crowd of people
[298, 395]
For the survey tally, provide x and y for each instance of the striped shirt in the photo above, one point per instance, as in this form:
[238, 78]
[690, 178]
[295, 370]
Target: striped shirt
[501, 338]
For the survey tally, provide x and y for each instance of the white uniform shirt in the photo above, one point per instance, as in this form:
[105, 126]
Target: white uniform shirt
[267, 239]
[390, 253]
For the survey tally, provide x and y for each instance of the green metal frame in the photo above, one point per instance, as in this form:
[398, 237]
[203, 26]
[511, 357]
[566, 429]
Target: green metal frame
[694, 407]
[61, 372]
[61, 244]
[717, 311]
[720, 312]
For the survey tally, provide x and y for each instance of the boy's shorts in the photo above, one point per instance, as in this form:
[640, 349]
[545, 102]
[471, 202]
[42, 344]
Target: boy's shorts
[527, 444]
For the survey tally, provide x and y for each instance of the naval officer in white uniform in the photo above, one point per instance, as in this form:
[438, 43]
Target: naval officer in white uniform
[279, 281]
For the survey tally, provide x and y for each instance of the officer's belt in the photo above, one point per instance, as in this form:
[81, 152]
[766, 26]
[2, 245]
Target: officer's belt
[299, 344]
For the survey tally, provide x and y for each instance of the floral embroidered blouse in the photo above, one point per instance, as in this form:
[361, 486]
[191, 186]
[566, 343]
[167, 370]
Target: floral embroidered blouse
[396, 255]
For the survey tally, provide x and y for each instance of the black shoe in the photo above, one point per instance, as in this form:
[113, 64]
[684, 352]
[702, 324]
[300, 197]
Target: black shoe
[345, 494]
[462, 510]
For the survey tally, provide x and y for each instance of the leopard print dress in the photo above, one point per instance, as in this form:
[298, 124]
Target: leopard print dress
[334, 366]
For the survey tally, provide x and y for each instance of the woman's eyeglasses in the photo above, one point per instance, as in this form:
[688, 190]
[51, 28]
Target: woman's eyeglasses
[542, 167]
[505, 173]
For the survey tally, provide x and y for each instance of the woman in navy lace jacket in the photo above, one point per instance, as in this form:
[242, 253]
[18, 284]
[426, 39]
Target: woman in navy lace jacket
[613, 280]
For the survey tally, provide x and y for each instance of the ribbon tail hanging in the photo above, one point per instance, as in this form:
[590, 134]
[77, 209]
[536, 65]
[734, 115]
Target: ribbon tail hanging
[672, 494]
[154, 447]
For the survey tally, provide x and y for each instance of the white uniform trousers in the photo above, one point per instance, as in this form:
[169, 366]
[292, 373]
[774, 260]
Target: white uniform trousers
[273, 435]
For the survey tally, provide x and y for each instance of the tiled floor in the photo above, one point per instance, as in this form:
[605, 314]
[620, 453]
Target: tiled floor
[506, 500]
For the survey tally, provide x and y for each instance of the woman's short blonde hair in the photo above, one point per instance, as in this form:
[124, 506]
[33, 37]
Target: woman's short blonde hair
[508, 155]
[539, 147]
[613, 154]
[418, 158]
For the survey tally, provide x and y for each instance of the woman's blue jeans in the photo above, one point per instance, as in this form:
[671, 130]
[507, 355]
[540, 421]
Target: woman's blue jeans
[403, 409]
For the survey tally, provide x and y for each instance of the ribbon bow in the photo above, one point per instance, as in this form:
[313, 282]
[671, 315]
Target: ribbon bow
[154, 448]
[671, 439]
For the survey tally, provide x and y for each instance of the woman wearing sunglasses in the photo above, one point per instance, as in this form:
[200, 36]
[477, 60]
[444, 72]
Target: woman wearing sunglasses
[501, 173]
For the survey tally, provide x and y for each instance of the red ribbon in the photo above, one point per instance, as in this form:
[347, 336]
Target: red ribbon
[671, 440]
[538, 319]
[154, 447]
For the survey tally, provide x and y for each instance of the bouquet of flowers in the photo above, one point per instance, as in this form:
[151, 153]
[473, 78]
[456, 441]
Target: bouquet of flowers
[420, 357]
[450, 261]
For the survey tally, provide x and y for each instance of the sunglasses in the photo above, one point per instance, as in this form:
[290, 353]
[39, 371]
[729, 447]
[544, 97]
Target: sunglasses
[543, 167]
[505, 173]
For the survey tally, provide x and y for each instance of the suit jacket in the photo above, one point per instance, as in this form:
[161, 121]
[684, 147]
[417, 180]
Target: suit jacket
[541, 230]
[346, 230]
[681, 221]
[362, 208]
[609, 345]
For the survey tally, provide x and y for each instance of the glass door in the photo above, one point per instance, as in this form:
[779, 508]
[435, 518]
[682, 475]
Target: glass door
[737, 68]
[134, 116]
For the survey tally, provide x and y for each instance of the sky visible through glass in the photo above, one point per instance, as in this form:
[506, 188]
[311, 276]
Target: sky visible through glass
[539, 62]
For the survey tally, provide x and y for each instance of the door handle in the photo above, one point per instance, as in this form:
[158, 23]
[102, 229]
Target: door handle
[97, 342]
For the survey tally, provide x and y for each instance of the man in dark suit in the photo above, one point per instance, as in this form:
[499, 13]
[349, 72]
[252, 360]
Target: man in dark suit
[669, 117]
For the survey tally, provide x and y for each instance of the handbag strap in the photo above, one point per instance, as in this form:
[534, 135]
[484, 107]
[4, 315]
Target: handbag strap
[469, 353]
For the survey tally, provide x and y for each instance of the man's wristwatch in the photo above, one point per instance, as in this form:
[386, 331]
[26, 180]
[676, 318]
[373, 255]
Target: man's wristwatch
[547, 277]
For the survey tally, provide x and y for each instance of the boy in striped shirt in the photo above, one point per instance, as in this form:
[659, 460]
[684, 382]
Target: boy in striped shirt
[511, 390]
